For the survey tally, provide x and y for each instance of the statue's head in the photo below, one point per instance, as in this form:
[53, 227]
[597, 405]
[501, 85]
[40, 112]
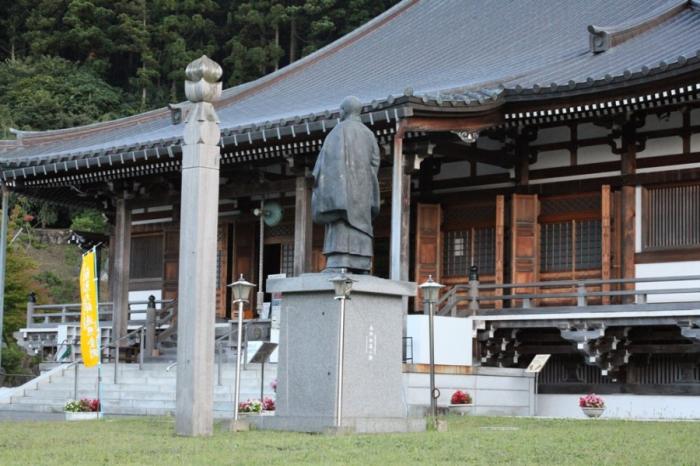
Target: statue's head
[351, 108]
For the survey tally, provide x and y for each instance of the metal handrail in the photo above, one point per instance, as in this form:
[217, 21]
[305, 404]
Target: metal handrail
[140, 330]
[218, 343]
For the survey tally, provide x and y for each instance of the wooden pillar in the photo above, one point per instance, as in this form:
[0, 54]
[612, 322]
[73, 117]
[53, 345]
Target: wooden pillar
[628, 167]
[522, 154]
[499, 247]
[119, 281]
[303, 227]
[400, 212]
[606, 238]
[199, 215]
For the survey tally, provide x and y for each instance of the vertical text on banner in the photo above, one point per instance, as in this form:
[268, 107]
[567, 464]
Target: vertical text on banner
[89, 320]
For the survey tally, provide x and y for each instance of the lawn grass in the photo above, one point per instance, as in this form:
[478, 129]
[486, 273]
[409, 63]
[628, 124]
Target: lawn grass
[469, 440]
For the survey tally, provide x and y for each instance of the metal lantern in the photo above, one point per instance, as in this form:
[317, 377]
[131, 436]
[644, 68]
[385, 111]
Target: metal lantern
[241, 294]
[241, 290]
[430, 289]
[342, 285]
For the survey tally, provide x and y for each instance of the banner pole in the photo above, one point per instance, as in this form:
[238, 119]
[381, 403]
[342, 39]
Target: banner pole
[99, 330]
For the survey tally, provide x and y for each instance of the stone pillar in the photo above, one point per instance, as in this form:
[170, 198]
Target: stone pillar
[119, 282]
[303, 226]
[400, 213]
[197, 267]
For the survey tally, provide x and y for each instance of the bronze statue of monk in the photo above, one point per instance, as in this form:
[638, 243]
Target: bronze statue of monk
[346, 191]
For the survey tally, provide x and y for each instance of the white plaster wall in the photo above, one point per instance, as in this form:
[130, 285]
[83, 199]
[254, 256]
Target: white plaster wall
[488, 144]
[623, 406]
[143, 296]
[485, 169]
[669, 269]
[695, 116]
[555, 134]
[653, 122]
[494, 391]
[662, 146]
[695, 142]
[453, 170]
[596, 154]
[453, 340]
[551, 159]
[589, 130]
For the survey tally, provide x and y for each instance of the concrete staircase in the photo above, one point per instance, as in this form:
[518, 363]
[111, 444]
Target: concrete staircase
[147, 392]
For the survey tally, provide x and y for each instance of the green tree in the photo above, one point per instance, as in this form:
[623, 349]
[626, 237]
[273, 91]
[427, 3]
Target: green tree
[50, 92]
[89, 220]
[19, 282]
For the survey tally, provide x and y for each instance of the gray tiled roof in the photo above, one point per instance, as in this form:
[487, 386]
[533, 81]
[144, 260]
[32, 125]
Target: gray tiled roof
[472, 51]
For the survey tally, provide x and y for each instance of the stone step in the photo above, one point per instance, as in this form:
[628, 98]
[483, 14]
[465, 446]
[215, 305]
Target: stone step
[64, 395]
[142, 386]
[147, 391]
[48, 395]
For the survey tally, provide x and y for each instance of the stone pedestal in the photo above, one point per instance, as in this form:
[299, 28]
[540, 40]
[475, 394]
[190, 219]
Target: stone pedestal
[373, 394]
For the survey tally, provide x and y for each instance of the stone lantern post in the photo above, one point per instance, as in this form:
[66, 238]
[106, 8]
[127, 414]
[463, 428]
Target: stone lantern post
[198, 224]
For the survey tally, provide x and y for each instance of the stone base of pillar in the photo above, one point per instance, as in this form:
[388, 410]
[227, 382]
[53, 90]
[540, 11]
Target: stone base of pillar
[372, 398]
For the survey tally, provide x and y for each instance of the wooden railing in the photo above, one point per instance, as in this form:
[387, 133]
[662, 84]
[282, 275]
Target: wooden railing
[51, 315]
[469, 299]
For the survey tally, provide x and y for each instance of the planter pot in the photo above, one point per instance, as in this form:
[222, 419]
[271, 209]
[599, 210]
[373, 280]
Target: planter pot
[593, 412]
[261, 413]
[462, 409]
[70, 416]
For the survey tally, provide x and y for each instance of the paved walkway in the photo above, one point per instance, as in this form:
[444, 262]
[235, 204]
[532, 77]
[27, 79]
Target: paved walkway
[29, 416]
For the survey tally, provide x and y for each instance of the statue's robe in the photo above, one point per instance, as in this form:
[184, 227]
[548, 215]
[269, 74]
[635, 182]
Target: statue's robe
[346, 195]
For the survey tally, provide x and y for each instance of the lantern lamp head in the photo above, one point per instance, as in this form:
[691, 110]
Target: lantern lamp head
[342, 285]
[430, 289]
[241, 290]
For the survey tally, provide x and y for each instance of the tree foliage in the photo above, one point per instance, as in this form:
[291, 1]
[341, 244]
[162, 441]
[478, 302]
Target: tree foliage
[141, 47]
[66, 63]
[52, 92]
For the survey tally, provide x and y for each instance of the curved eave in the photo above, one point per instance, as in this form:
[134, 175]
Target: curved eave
[609, 83]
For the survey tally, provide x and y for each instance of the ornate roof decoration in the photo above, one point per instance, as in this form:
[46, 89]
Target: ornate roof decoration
[604, 38]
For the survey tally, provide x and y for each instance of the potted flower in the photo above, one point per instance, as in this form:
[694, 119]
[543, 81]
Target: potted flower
[461, 403]
[592, 405]
[268, 404]
[250, 407]
[82, 410]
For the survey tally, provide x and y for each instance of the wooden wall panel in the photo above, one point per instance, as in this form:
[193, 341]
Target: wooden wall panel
[221, 268]
[524, 237]
[244, 260]
[171, 253]
[428, 246]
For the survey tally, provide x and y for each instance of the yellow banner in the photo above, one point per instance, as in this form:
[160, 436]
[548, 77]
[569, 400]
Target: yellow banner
[89, 320]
